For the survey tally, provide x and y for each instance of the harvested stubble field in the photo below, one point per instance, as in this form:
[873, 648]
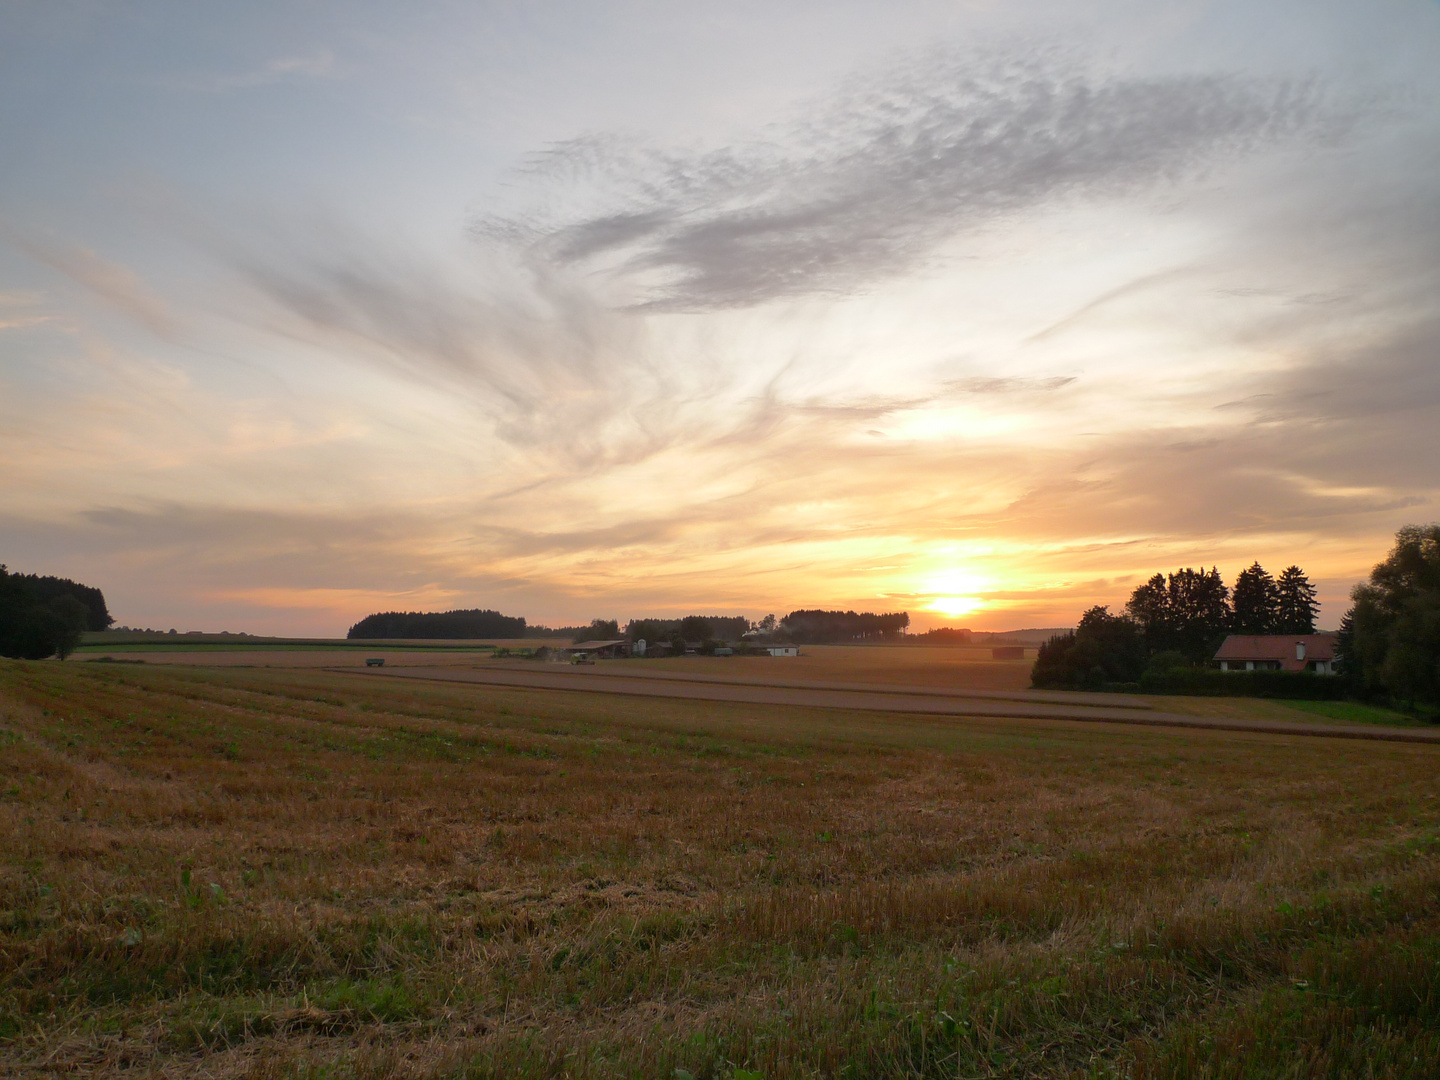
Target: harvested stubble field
[290, 873]
[948, 667]
[916, 665]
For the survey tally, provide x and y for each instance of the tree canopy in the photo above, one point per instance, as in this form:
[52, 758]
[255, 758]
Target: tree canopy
[45, 616]
[690, 628]
[1104, 648]
[1187, 612]
[1390, 638]
[822, 627]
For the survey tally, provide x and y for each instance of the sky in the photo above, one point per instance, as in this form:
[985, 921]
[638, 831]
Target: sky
[984, 311]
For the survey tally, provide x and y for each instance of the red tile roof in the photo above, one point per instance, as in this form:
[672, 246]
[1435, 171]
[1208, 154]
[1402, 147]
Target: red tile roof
[1279, 647]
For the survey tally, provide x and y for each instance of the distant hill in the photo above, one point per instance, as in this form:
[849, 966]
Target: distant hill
[468, 623]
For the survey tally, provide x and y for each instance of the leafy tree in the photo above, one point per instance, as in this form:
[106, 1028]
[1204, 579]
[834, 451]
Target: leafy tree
[766, 625]
[1187, 611]
[1390, 638]
[726, 627]
[604, 629]
[1256, 602]
[1104, 648]
[647, 630]
[1296, 606]
[37, 621]
[1412, 666]
[1149, 606]
[47, 589]
[695, 628]
[1199, 602]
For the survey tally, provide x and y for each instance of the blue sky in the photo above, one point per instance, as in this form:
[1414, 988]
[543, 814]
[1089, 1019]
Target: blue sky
[982, 310]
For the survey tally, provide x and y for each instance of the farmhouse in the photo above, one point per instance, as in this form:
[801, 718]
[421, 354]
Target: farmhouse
[1279, 652]
[781, 650]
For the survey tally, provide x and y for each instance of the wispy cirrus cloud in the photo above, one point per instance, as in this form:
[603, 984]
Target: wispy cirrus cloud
[18, 310]
[119, 286]
[872, 182]
[317, 65]
[552, 369]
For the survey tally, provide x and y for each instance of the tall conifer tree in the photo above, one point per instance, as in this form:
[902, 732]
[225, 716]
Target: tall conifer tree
[1297, 606]
[1256, 602]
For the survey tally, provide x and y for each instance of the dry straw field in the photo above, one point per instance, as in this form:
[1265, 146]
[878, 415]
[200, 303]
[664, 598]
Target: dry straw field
[295, 873]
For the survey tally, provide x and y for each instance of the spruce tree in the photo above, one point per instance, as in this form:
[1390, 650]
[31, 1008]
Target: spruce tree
[1297, 606]
[1256, 602]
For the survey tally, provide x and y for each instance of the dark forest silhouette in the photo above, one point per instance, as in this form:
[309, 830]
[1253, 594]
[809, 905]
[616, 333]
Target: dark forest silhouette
[45, 616]
[447, 625]
[835, 627]
[1390, 638]
[804, 627]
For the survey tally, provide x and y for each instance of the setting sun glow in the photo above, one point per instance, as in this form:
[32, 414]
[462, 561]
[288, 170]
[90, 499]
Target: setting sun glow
[955, 606]
[954, 593]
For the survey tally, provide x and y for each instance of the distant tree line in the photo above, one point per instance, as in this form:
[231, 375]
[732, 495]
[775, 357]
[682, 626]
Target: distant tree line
[575, 633]
[449, 625]
[805, 627]
[691, 628]
[802, 627]
[46, 616]
[941, 635]
[834, 627]
[1174, 621]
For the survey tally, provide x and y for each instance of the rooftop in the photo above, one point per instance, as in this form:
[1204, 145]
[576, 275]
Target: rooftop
[1279, 647]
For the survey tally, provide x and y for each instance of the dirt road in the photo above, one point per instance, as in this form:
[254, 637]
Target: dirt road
[924, 700]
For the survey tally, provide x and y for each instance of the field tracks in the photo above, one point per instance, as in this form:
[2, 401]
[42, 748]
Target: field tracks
[922, 700]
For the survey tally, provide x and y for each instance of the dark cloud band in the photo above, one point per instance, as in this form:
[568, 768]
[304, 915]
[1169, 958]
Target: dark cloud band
[873, 182]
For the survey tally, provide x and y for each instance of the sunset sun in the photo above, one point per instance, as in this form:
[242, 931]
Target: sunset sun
[955, 606]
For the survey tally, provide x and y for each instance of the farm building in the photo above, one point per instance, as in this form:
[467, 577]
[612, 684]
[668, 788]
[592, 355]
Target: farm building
[782, 650]
[605, 650]
[1279, 652]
